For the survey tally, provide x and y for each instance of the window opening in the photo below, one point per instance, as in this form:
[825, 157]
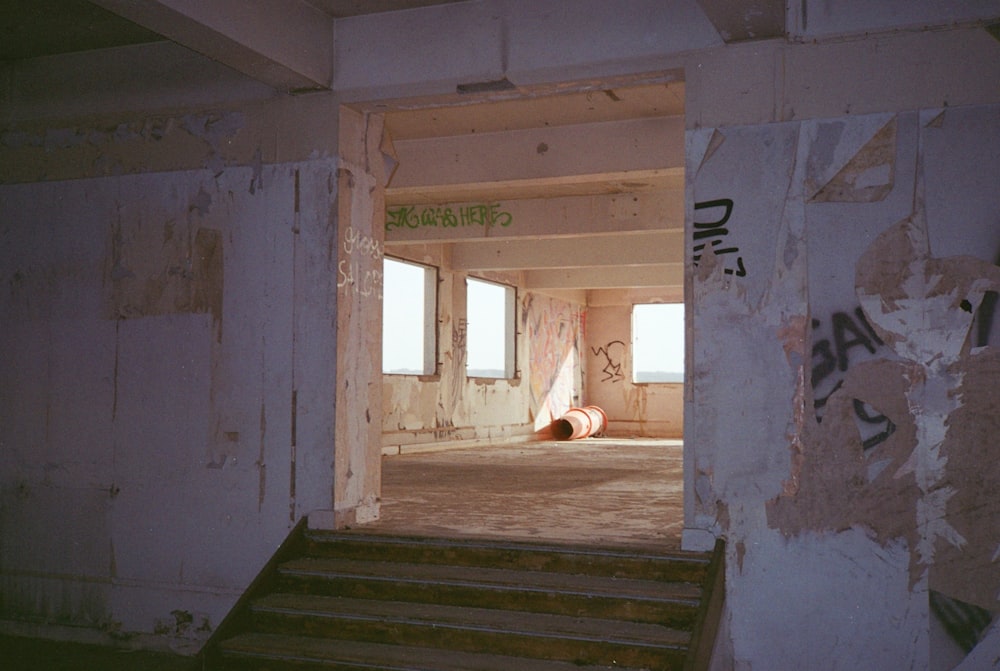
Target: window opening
[409, 315]
[489, 330]
[658, 342]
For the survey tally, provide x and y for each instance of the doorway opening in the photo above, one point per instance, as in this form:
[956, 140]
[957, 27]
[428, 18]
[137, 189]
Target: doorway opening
[573, 202]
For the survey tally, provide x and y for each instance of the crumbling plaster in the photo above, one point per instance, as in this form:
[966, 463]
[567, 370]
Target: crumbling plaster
[155, 338]
[898, 478]
[66, 441]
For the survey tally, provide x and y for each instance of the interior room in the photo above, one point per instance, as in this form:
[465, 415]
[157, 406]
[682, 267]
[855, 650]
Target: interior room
[302, 308]
[539, 196]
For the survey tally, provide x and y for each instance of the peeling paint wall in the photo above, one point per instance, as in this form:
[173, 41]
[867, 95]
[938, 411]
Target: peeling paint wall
[165, 335]
[844, 392]
[151, 394]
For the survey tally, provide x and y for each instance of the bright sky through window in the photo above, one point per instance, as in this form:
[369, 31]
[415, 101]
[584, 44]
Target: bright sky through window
[658, 342]
[487, 332]
[404, 311]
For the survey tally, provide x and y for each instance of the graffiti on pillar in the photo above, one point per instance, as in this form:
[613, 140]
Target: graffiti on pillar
[613, 353]
[831, 357]
[458, 337]
[484, 215]
[712, 234]
[356, 271]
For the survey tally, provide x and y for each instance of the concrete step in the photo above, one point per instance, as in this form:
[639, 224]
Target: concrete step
[276, 652]
[651, 564]
[672, 604]
[514, 633]
[351, 601]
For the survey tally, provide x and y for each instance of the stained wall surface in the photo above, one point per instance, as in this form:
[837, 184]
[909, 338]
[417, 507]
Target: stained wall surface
[158, 360]
[859, 303]
[169, 312]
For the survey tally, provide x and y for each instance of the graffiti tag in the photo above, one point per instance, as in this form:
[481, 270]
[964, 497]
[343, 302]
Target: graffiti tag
[613, 361]
[352, 272]
[830, 357]
[486, 215]
[711, 234]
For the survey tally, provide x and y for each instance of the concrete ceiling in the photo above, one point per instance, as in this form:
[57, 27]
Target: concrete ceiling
[35, 28]
[590, 151]
[593, 183]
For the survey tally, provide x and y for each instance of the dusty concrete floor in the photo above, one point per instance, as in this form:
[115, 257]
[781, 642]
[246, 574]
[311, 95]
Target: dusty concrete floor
[594, 491]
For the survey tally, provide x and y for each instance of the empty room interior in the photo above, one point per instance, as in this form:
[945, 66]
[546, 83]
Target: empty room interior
[502, 334]
[573, 205]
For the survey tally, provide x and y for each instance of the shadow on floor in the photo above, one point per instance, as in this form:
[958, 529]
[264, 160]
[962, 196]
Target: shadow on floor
[599, 491]
[30, 654]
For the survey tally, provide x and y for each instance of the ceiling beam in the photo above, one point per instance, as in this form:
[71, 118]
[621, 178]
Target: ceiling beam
[630, 181]
[598, 252]
[746, 20]
[493, 218]
[608, 277]
[559, 154]
[286, 44]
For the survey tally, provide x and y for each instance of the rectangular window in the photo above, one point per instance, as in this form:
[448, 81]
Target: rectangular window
[658, 342]
[490, 335]
[409, 318]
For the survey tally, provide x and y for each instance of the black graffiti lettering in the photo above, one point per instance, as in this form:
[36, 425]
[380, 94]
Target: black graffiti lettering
[726, 203]
[706, 230]
[820, 403]
[612, 370]
[833, 355]
[827, 363]
[860, 314]
[843, 324]
[740, 270]
[861, 412]
[718, 252]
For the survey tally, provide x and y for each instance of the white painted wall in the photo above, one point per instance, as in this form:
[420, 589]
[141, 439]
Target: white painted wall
[147, 441]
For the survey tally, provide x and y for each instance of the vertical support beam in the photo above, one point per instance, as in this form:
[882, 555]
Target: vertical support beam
[365, 160]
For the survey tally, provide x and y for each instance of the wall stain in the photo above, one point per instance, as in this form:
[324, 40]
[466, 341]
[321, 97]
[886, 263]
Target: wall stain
[931, 481]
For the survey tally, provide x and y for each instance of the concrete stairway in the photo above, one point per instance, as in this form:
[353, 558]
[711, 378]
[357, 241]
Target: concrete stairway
[350, 601]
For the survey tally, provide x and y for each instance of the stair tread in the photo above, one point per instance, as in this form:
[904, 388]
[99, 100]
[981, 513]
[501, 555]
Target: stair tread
[510, 579]
[385, 656]
[622, 561]
[613, 552]
[481, 619]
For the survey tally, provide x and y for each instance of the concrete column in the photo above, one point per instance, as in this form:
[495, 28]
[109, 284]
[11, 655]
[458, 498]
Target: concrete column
[366, 159]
